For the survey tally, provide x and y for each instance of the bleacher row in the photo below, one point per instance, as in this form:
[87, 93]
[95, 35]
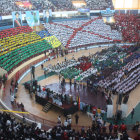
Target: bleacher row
[8, 6]
[83, 32]
[125, 79]
[19, 44]
[20, 40]
[15, 31]
[129, 25]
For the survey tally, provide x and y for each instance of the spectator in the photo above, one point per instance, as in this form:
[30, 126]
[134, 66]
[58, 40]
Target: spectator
[99, 112]
[76, 118]
[42, 66]
[132, 113]
[115, 128]
[110, 128]
[59, 119]
[123, 128]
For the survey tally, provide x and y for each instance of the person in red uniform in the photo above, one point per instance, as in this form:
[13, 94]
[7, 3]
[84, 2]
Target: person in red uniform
[94, 110]
[115, 128]
[123, 127]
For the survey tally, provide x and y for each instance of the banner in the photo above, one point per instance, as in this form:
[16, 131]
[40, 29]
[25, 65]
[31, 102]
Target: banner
[53, 41]
[47, 14]
[107, 12]
[109, 111]
[17, 19]
[83, 10]
[24, 4]
[32, 18]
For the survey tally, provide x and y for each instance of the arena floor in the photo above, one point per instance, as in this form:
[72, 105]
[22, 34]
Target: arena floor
[36, 109]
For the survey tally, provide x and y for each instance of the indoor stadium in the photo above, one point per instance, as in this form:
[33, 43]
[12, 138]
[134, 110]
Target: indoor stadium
[70, 70]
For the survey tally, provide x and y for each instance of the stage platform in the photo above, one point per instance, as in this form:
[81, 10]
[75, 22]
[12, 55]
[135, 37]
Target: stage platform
[87, 96]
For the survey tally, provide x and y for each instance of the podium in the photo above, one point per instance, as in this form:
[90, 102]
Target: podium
[124, 109]
[109, 111]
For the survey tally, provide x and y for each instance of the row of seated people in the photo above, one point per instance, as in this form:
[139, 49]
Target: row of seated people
[7, 7]
[111, 60]
[84, 64]
[100, 4]
[46, 4]
[82, 32]
[125, 79]
[15, 31]
[76, 23]
[19, 55]
[85, 74]
[13, 42]
[106, 61]
[67, 4]
[129, 26]
[128, 83]
[115, 54]
[63, 5]
[70, 73]
[99, 27]
[40, 4]
[85, 38]
[61, 32]
[10, 5]
[12, 129]
[64, 65]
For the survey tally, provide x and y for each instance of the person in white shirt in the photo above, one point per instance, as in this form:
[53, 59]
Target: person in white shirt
[59, 119]
[66, 123]
[69, 121]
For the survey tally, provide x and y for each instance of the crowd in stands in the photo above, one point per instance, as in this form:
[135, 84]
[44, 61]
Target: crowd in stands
[99, 5]
[15, 31]
[83, 32]
[99, 27]
[124, 80]
[11, 129]
[129, 26]
[103, 63]
[126, 76]
[18, 44]
[42, 5]
[8, 6]
[115, 68]
[62, 33]
[62, 5]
